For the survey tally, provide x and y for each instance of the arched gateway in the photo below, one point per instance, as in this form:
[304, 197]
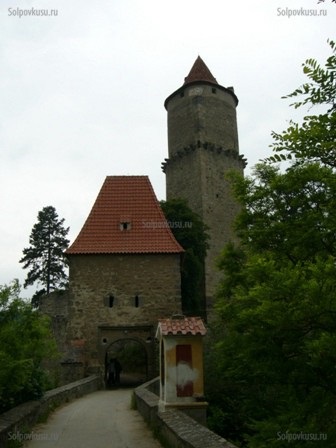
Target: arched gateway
[127, 362]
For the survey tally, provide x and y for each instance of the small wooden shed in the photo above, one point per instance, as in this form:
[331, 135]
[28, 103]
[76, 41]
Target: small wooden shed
[181, 365]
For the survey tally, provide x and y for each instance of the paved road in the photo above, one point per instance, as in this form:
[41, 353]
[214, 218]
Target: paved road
[102, 419]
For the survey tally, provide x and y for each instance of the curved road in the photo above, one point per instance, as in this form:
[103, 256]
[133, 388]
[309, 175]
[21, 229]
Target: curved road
[102, 419]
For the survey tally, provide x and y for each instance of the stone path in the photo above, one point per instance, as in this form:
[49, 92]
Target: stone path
[102, 419]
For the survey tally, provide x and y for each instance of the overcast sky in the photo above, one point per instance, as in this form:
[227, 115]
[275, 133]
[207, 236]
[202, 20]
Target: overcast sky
[82, 92]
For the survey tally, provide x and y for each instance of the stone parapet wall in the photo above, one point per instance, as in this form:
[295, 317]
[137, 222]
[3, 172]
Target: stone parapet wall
[174, 427]
[23, 417]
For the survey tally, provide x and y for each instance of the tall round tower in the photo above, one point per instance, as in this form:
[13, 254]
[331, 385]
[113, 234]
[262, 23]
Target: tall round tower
[203, 147]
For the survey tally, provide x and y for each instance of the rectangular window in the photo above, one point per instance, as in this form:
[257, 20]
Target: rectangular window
[125, 225]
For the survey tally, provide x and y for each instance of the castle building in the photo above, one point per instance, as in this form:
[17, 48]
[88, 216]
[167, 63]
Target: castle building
[124, 265]
[203, 148]
[124, 274]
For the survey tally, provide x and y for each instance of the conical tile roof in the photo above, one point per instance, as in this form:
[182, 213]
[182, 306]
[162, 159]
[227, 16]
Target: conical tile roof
[199, 72]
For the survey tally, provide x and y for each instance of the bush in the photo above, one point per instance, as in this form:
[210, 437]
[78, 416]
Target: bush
[25, 340]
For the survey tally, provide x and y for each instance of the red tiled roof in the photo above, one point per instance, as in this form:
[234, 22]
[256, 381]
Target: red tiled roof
[128, 200]
[199, 72]
[182, 326]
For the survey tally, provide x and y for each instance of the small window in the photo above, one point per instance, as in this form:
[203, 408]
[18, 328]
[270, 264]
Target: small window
[125, 225]
[111, 301]
[214, 90]
[136, 301]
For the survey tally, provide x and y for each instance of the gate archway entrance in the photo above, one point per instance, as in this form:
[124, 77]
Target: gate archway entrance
[126, 363]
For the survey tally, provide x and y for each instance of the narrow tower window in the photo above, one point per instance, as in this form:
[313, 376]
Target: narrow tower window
[111, 301]
[136, 301]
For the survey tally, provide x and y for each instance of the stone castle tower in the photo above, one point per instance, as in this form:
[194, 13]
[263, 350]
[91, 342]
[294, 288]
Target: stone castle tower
[203, 147]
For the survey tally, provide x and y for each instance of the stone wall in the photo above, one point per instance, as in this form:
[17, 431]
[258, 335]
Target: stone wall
[110, 297]
[55, 306]
[203, 112]
[111, 294]
[203, 148]
[22, 418]
[208, 193]
[174, 427]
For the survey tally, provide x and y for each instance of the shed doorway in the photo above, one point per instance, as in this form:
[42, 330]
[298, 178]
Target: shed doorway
[126, 363]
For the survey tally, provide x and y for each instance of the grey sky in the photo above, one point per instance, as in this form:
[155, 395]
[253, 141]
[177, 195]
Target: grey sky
[82, 92]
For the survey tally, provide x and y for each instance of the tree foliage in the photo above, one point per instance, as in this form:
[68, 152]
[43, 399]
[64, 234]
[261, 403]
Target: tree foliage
[25, 341]
[274, 341]
[314, 139]
[45, 256]
[190, 232]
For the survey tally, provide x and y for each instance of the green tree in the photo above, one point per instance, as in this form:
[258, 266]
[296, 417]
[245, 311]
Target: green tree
[314, 139]
[25, 341]
[190, 232]
[274, 341]
[45, 256]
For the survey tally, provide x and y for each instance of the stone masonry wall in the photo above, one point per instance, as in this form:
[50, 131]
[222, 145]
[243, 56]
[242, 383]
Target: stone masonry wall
[202, 112]
[203, 148]
[175, 428]
[103, 289]
[16, 423]
[208, 193]
[55, 306]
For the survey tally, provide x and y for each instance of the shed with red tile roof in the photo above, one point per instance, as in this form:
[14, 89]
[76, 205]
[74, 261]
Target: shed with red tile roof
[181, 365]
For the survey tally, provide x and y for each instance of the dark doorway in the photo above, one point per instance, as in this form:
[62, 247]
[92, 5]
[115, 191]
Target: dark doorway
[131, 356]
